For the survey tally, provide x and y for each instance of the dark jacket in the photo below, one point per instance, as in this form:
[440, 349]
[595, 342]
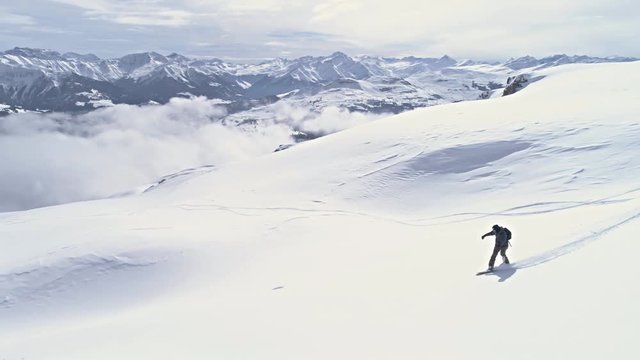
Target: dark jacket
[501, 237]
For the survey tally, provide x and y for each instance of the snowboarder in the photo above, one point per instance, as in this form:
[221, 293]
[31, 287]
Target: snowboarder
[502, 235]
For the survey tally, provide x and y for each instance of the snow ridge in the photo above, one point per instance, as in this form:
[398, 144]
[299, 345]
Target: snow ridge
[44, 280]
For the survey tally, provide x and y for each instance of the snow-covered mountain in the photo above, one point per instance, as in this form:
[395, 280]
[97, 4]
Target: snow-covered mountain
[45, 80]
[359, 245]
[555, 60]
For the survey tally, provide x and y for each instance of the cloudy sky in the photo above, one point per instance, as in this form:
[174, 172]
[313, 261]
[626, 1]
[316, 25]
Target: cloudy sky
[258, 29]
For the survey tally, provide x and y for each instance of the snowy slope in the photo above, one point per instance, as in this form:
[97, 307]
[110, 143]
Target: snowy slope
[359, 245]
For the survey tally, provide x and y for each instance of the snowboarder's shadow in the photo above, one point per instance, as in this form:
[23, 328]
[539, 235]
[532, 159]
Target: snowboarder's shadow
[503, 272]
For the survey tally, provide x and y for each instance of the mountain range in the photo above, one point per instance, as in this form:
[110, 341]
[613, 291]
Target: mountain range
[45, 80]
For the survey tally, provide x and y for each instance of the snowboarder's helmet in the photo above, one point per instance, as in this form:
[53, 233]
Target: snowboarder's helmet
[495, 227]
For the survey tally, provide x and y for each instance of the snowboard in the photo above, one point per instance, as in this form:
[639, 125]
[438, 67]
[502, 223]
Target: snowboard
[500, 267]
[485, 272]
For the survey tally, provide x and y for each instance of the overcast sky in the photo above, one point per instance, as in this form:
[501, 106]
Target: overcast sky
[258, 29]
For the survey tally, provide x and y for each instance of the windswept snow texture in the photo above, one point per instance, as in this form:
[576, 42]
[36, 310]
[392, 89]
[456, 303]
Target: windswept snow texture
[363, 244]
[463, 158]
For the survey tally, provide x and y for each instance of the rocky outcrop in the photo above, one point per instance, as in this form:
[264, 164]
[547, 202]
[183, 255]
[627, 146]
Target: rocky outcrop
[515, 84]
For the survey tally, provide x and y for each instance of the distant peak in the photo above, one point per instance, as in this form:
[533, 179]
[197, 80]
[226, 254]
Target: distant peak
[34, 53]
[155, 54]
[467, 62]
[177, 57]
[339, 54]
[522, 62]
[556, 57]
[138, 57]
[82, 57]
[336, 56]
[444, 61]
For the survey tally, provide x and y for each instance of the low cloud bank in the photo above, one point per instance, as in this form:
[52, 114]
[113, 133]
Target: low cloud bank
[327, 121]
[56, 158]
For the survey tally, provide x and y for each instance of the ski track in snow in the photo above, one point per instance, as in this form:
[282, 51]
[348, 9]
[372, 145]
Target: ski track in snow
[570, 247]
[257, 212]
[505, 271]
[548, 207]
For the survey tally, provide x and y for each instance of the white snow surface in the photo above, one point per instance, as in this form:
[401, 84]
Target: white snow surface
[363, 244]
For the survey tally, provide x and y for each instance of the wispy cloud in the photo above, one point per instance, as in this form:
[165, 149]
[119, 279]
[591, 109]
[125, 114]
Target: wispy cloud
[266, 28]
[157, 18]
[253, 6]
[300, 35]
[276, 44]
[8, 18]
[133, 12]
[331, 9]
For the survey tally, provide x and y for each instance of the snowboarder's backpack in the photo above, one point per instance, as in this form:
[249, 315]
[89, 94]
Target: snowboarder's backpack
[508, 232]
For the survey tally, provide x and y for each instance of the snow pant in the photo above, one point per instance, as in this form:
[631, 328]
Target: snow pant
[499, 249]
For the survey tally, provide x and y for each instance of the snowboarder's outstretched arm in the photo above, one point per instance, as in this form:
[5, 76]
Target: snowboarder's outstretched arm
[490, 233]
